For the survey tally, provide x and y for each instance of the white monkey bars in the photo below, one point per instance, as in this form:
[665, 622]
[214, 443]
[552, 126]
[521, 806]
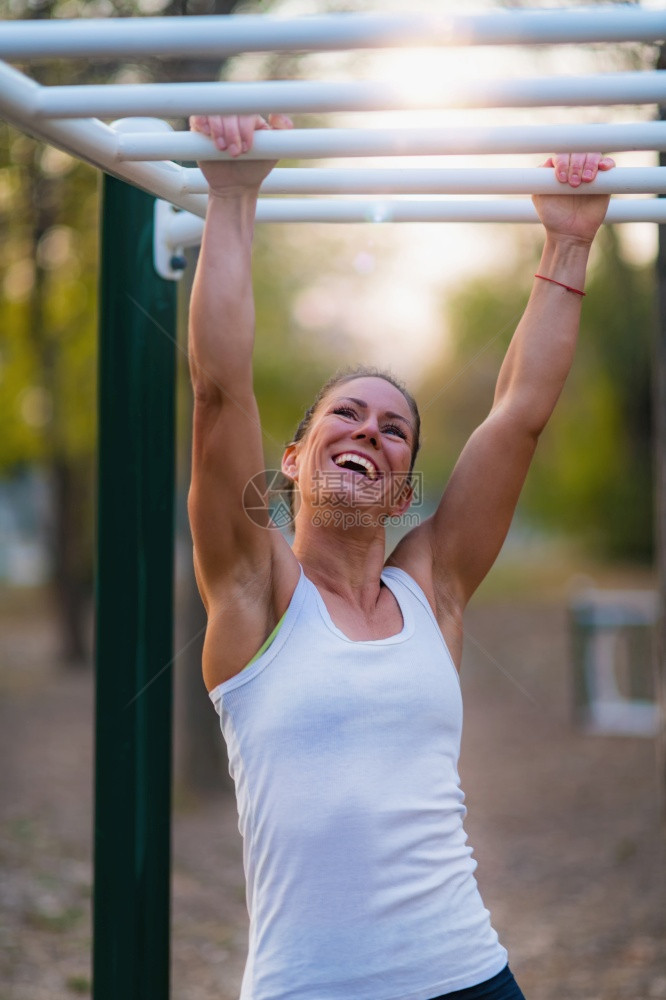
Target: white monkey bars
[387, 181]
[146, 151]
[183, 229]
[298, 96]
[131, 38]
[88, 139]
[318, 143]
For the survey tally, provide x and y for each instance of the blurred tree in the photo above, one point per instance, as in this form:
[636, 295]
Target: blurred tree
[592, 473]
[47, 313]
[48, 268]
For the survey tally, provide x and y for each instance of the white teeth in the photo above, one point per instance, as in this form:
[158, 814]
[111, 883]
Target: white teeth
[350, 456]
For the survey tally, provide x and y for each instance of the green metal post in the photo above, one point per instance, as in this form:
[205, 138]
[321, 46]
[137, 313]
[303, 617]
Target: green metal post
[134, 597]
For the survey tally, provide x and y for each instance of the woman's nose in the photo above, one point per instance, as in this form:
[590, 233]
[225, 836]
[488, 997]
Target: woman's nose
[369, 430]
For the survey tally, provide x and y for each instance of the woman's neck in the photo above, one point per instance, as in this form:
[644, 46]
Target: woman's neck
[347, 561]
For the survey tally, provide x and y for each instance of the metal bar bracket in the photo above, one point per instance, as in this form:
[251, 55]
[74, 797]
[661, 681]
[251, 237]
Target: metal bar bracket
[168, 254]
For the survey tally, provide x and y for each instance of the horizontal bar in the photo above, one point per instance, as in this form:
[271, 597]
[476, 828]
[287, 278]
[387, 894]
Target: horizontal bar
[88, 139]
[218, 37]
[388, 210]
[299, 96]
[321, 143]
[492, 180]
[186, 229]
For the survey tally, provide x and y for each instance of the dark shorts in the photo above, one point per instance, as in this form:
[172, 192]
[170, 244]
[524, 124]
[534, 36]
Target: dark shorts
[501, 987]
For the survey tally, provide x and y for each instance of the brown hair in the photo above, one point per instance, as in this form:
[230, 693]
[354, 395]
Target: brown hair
[340, 377]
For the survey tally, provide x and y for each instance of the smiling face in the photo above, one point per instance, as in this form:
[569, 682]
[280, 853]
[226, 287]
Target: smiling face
[358, 449]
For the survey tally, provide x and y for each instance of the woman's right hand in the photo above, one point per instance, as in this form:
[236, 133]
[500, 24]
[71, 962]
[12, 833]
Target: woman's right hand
[574, 217]
[235, 133]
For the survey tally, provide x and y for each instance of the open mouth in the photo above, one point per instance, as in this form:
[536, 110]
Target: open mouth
[357, 463]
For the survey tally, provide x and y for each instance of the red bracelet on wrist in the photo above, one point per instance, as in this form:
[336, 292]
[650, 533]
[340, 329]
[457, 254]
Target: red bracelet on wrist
[543, 277]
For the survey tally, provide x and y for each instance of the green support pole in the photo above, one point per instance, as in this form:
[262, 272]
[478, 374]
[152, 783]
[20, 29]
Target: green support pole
[134, 597]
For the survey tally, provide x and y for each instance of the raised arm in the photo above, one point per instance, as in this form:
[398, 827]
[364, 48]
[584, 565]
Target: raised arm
[464, 536]
[233, 556]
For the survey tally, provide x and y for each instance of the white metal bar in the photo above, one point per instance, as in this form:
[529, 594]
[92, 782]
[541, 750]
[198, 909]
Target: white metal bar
[298, 96]
[88, 139]
[186, 229]
[130, 38]
[498, 180]
[324, 143]
[390, 210]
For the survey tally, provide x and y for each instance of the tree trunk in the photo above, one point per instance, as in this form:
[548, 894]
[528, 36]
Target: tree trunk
[71, 558]
[69, 479]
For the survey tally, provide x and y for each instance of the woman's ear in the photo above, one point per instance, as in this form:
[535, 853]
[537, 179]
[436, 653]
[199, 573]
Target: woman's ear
[403, 499]
[290, 462]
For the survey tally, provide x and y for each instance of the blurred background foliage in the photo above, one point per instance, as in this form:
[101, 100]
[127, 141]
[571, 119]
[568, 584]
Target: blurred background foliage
[592, 477]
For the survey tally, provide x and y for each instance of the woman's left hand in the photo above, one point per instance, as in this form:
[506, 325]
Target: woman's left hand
[574, 216]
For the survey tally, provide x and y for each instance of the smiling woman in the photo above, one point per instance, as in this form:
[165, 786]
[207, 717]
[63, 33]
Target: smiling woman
[356, 452]
[334, 669]
[351, 408]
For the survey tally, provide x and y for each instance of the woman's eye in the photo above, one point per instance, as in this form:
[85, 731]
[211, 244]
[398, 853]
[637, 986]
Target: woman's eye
[344, 411]
[392, 429]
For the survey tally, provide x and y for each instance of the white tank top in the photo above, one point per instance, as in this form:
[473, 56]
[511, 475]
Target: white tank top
[344, 753]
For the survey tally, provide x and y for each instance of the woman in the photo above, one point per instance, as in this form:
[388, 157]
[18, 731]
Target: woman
[334, 671]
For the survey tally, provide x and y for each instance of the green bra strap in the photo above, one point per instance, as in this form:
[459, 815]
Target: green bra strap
[267, 643]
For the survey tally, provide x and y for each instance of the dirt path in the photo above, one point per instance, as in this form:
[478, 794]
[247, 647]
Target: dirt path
[565, 828]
